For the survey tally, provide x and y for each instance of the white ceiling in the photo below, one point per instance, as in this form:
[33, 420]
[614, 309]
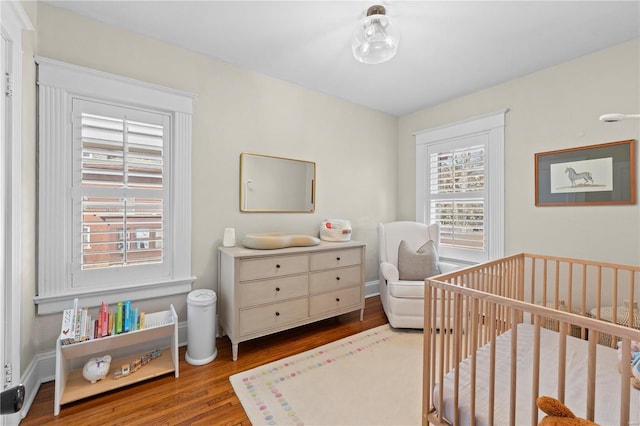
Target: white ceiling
[447, 48]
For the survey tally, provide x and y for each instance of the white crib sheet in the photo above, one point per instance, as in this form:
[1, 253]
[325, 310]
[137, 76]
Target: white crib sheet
[607, 410]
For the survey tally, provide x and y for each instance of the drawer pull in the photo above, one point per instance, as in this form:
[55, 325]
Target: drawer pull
[277, 266]
[337, 278]
[277, 289]
[337, 299]
[277, 313]
[338, 258]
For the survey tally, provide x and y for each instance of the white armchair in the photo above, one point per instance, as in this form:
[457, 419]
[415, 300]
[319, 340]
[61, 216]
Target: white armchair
[403, 300]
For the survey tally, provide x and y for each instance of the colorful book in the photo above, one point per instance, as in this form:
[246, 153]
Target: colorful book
[141, 326]
[119, 318]
[112, 323]
[76, 320]
[136, 320]
[67, 331]
[126, 322]
[83, 324]
[104, 315]
[94, 329]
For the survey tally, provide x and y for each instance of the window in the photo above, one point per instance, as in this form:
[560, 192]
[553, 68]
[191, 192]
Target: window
[457, 193]
[114, 188]
[120, 186]
[459, 184]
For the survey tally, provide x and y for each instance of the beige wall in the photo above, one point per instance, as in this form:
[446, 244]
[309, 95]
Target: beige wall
[236, 110]
[551, 109]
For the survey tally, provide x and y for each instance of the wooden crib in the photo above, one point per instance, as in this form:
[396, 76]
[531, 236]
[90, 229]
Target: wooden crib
[529, 325]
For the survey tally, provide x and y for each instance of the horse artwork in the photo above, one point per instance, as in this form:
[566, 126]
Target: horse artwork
[573, 176]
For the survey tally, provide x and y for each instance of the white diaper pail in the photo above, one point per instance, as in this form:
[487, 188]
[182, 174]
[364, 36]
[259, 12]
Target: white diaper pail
[201, 327]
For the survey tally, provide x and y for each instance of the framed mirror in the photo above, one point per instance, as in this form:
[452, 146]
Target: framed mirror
[276, 184]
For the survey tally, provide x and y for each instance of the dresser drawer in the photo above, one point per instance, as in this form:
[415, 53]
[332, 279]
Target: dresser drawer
[273, 290]
[335, 300]
[334, 279]
[273, 316]
[335, 259]
[255, 269]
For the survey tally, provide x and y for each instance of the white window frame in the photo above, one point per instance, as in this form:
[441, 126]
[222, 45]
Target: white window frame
[490, 129]
[58, 84]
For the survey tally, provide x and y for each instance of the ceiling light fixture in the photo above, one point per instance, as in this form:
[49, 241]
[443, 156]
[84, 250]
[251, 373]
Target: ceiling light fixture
[376, 38]
[612, 118]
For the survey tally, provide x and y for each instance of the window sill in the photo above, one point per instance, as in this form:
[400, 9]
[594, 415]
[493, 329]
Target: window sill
[94, 297]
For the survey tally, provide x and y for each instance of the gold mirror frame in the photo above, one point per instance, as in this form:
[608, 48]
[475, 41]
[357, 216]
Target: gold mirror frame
[272, 184]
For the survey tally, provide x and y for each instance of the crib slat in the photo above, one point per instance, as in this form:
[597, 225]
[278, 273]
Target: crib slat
[625, 376]
[632, 313]
[556, 285]
[457, 339]
[426, 355]
[535, 379]
[591, 376]
[562, 360]
[492, 361]
[584, 291]
[614, 306]
[544, 281]
[474, 361]
[442, 362]
[570, 286]
[514, 370]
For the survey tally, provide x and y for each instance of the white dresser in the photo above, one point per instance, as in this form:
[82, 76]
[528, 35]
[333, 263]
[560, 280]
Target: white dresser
[266, 291]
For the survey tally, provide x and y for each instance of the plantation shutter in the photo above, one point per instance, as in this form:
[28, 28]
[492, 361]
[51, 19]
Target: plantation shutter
[457, 194]
[121, 186]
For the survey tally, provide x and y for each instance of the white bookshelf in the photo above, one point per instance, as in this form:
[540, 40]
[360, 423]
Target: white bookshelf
[160, 332]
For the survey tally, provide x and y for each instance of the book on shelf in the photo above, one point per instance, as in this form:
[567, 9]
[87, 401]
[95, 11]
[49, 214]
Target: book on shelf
[104, 320]
[119, 318]
[84, 313]
[79, 324]
[67, 332]
[76, 320]
[126, 316]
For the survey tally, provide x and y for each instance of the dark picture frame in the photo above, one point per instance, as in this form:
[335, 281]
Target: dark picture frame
[590, 175]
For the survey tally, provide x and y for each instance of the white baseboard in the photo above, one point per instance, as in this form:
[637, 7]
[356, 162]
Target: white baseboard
[42, 369]
[372, 288]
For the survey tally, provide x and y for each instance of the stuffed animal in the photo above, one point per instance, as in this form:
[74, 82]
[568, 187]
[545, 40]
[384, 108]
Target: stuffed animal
[557, 414]
[635, 363]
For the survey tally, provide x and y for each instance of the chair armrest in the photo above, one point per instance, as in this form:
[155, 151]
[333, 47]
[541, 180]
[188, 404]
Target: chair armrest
[446, 267]
[389, 271]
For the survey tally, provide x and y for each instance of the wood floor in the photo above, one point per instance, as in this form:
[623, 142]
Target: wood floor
[202, 395]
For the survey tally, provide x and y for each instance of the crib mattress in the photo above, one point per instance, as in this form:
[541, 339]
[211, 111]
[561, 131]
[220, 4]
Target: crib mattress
[607, 408]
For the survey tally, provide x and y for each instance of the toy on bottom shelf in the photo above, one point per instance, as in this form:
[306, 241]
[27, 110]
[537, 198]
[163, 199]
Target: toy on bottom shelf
[558, 414]
[96, 368]
[136, 364]
[635, 362]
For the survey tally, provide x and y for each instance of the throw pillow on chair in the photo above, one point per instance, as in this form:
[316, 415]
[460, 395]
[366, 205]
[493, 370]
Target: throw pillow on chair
[417, 265]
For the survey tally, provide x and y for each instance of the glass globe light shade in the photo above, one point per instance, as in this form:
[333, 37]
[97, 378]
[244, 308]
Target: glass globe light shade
[375, 40]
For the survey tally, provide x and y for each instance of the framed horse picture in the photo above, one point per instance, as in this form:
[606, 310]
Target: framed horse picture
[589, 175]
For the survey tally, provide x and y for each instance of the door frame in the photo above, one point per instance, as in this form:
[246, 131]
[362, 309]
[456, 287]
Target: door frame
[14, 20]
